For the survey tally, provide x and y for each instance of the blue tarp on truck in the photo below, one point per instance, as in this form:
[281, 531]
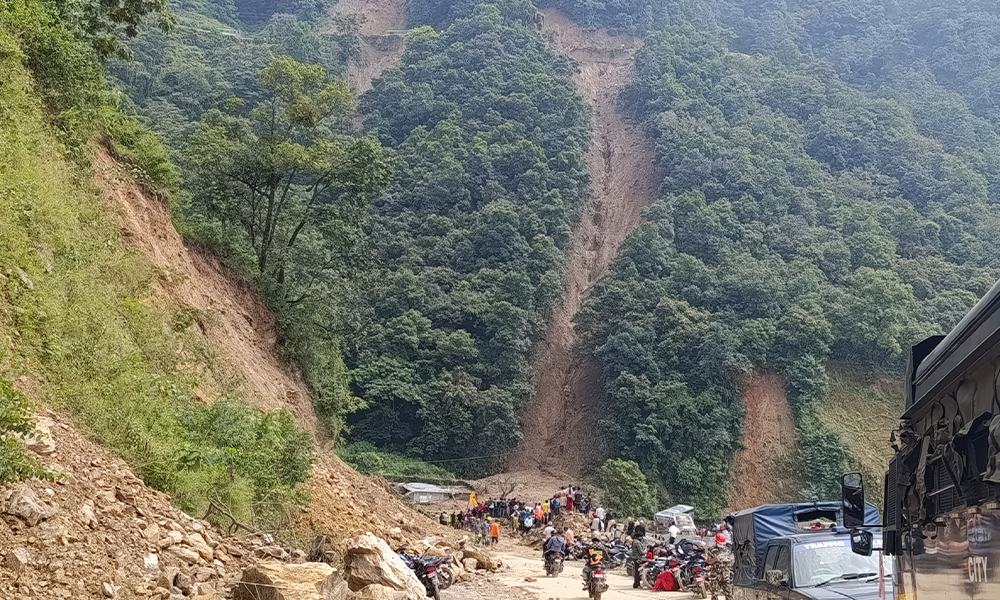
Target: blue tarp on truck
[754, 527]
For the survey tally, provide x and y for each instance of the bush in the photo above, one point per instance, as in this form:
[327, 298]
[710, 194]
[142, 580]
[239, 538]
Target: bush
[822, 457]
[369, 460]
[625, 488]
[16, 420]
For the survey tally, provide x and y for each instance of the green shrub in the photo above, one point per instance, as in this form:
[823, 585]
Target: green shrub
[369, 460]
[16, 420]
[625, 488]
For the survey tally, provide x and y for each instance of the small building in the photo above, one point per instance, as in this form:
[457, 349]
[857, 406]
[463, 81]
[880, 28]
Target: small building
[426, 493]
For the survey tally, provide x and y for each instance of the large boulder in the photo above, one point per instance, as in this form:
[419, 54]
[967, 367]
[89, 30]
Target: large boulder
[483, 560]
[277, 581]
[40, 440]
[370, 561]
[24, 503]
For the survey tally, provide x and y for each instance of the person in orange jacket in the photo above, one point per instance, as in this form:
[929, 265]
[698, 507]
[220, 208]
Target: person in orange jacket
[494, 532]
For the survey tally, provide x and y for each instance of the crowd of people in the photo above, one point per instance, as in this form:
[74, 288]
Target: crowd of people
[483, 518]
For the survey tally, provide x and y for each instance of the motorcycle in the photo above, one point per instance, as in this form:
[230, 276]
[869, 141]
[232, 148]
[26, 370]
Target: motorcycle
[432, 571]
[553, 564]
[597, 584]
[616, 554]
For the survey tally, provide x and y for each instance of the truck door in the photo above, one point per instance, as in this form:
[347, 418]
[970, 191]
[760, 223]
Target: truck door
[774, 582]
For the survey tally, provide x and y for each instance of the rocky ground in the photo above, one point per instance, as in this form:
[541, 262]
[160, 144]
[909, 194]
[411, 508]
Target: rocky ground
[98, 532]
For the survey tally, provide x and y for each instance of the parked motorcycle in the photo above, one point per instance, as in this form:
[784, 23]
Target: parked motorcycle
[432, 571]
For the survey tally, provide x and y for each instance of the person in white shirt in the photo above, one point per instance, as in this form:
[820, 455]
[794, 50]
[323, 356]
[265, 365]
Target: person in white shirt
[597, 525]
[674, 532]
[600, 512]
[547, 532]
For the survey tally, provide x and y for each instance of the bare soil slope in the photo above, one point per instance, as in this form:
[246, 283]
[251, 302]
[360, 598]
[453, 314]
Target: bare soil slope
[769, 437]
[237, 326]
[233, 321]
[560, 422]
[380, 50]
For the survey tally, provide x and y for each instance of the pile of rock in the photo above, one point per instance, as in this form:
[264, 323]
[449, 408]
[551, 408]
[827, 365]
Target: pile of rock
[98, 530]
[372, 571]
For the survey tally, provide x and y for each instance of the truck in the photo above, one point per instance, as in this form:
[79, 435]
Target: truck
[800, 551]
[679, 515]
[941, 519]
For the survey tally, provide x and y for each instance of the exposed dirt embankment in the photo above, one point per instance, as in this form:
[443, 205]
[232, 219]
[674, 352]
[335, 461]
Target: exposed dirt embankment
[232, 319]
[238, 328]
[560, 423]
[769, 437]
[380, 23]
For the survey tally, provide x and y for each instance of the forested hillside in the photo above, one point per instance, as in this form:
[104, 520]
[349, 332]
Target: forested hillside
[803, 219]
[488, 133]
[830, 172]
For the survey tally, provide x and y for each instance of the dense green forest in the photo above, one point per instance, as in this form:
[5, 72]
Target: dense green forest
[831, 172]
[488, 133]
[802, 219]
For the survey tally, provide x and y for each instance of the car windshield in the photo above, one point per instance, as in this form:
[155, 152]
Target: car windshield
[817, 563]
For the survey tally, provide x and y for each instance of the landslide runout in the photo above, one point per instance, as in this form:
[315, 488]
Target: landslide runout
[560, 422]
[379, 49]
[769, 439]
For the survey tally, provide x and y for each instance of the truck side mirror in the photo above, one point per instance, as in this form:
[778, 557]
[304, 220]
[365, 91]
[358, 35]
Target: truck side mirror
[852, 488]
[775, 577]
[861, 542]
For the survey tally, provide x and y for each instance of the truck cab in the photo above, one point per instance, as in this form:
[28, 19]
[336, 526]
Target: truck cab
[816, 567]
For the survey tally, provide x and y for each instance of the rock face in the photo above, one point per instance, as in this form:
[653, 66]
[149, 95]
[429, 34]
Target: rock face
[275, 581]
[370, 561]
[24, 503]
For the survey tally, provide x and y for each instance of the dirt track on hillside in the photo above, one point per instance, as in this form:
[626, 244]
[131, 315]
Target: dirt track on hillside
[560, 423]
[379, 50]
[769, 437]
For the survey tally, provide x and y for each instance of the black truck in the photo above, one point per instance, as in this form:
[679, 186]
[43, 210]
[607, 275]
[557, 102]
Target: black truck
[941, 523]
[801, 551]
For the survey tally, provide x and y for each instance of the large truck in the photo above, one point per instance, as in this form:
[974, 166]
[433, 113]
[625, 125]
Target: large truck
[941, 521]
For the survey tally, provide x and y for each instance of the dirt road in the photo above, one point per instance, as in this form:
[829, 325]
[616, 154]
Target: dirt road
[560, 423]
[510, 584]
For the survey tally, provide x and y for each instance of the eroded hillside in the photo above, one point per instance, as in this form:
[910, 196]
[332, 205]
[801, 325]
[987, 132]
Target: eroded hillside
[566, 404]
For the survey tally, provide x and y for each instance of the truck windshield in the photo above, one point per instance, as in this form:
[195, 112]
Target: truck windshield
[818, 563]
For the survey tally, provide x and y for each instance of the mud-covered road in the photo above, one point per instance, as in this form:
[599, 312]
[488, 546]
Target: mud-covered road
[523, 563]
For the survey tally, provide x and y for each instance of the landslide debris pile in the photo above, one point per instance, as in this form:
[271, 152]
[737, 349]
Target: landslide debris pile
[372, 571]
[98, 532]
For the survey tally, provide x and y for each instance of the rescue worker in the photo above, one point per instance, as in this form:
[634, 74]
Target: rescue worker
[494, 531]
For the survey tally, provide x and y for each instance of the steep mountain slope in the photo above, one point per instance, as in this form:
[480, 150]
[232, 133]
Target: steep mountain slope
[230, 317]
[562, 415]
[238, 328]
[379, 49]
